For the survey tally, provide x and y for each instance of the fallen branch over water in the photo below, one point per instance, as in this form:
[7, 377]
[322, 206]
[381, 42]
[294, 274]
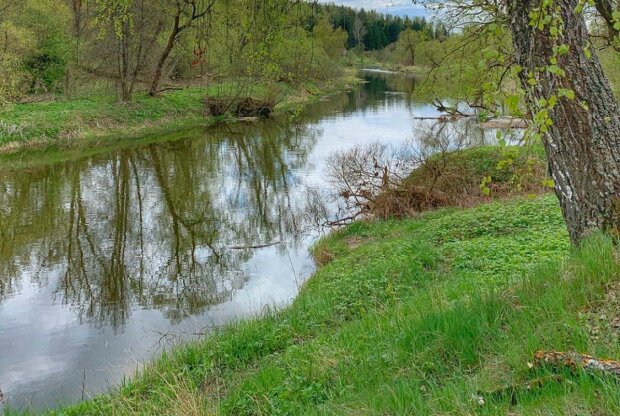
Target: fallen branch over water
[576, 361]
[444, 118]
[275, 243]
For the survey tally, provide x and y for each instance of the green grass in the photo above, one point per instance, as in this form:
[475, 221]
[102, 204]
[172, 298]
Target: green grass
[65, 118]
[415, 316]
[506, 166]
[96, 120]
[610, 60]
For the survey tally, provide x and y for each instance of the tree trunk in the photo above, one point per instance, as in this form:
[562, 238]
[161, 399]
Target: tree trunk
[123, 65]
[583, 144]
[606, 9]
[164, 56]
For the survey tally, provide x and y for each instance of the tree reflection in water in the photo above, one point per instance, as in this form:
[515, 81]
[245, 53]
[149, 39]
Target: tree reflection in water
[152, 227]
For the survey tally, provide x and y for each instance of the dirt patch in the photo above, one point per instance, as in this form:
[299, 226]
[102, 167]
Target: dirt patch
[354, 242]
[322, 256]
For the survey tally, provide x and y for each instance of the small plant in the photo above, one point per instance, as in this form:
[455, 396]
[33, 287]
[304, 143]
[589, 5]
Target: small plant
[10, 131]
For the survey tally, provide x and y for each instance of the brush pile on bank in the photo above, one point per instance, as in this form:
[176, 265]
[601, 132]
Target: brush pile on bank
[466, 178]
[372, 186]
[240, 107]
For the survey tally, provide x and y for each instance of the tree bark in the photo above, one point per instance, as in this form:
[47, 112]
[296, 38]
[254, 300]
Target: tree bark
[583, 144]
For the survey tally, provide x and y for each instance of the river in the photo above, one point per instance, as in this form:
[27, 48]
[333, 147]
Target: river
[107, 260]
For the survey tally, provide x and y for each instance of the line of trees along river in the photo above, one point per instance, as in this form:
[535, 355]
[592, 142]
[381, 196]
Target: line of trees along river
[81, 47]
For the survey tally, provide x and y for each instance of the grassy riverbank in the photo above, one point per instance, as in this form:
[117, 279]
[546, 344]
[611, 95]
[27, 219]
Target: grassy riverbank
[432, 315]
[100, 120]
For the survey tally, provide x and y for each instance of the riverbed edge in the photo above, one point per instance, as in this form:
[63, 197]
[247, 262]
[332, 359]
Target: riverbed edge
[43, 149]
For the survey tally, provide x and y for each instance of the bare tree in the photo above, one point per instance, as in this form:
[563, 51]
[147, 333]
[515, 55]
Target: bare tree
[129, 28]
[184, 13]
[609, 10]
[359, 31]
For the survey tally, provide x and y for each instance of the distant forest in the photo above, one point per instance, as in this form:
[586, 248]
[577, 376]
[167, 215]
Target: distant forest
[378, 30]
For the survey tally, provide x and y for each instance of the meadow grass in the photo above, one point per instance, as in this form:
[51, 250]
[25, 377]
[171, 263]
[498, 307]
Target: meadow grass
[439, 314]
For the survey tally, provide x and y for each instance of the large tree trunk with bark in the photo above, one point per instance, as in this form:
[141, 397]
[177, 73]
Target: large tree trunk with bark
[583, 144]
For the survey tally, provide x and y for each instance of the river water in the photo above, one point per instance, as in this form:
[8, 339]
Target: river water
[107, 260]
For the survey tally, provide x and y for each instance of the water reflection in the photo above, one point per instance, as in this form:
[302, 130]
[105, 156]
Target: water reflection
[151, 226]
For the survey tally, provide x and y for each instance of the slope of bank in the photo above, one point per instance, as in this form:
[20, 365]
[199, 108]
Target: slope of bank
[100, 120]
[441, 314]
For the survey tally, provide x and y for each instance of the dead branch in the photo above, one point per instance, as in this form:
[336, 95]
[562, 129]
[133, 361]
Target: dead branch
[575, 361]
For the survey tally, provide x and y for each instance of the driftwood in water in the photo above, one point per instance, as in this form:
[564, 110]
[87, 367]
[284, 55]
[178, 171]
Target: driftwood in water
[494, 123]
[275, 243]
[576, 361]
[445, 117]
[239, 107]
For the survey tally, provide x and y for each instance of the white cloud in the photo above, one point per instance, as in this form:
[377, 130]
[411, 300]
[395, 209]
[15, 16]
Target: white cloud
[397, 7]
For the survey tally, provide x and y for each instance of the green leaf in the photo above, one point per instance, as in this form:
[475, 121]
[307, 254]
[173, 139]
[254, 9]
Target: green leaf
[554, 69]
[564, 92]
[490, 54]
[512, 102]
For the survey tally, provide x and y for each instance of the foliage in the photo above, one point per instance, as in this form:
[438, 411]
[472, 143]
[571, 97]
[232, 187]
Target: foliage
[443, 168]
[509, 169]
[32, 48]
[130, 45]
[332, 39]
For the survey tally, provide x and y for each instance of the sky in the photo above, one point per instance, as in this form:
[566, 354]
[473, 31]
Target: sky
[396, 7]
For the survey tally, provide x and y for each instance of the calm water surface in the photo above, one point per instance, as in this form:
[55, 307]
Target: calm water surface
[107, 260]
